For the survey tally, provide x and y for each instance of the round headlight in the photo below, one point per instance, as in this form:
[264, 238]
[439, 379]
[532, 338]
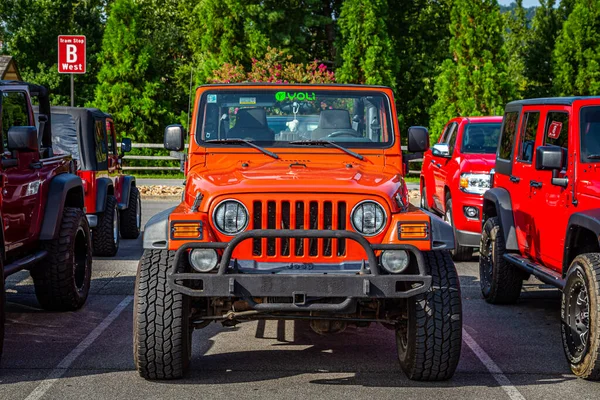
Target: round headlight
[368, 218]
[394, 261]
[230, 217]
[203, 260]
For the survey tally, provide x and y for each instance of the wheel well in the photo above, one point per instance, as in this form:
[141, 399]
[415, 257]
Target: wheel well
[74, 198]
[489, 209]
[581, 240]
[111, 190]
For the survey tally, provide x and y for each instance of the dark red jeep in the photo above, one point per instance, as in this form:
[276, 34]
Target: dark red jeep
[542, 217]
[456, 174]
[112, 200]
[44, 228]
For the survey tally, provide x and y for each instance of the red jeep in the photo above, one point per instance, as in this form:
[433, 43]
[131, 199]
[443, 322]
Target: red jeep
[456, 174]
[44, 228]
[112, 200]
[542, 217]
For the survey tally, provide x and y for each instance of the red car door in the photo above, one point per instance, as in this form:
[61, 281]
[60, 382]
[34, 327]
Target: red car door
[552, 204]
[439, 167]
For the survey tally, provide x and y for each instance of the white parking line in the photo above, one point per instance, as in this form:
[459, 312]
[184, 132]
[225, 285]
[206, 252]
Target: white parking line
[66, 362]
[491, 366]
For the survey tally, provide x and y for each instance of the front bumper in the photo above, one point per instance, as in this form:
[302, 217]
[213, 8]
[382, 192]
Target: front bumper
[369, 283]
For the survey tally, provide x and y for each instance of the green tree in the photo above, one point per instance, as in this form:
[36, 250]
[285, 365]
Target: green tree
[540, 45]
[29, 30]
[367, 48]
[576, 58]
[474, 80]
[515, 46]
[134, 77]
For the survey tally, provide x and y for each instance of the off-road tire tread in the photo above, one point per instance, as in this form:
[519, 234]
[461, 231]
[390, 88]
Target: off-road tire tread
[54, 277]
[102, 234]
[438, 322]
[129, 228]
[592, 369]
[159, 350]
[507, 279]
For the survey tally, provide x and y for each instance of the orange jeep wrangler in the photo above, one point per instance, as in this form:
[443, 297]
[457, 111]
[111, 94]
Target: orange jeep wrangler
[295, 207]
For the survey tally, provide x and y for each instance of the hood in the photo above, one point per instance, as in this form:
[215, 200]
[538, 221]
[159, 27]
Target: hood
[478, 162]
[293, 176]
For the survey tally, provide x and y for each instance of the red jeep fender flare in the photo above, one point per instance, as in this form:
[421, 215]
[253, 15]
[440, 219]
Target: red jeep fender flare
[497, 203]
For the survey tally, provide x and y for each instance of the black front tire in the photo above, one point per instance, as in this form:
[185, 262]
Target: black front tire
[580, 316]
[162, 339]
[62, 280]
[460, 253]
[131, 217]
[500, 281]
[105, 236]
[429, 343]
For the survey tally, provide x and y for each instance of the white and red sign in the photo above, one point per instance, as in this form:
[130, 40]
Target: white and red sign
[554, 129]
[71, 54]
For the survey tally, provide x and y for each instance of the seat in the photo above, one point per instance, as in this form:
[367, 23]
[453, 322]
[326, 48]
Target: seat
[331, 121]
[251, 123]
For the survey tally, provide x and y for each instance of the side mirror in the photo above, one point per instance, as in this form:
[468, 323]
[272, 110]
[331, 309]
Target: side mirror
[440, 150]
[174, 139]
[23, 138]
[552, 158]
[418, 139]
[126, 145]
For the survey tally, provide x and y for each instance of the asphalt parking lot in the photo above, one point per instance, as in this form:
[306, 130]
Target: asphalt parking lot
[509, 352]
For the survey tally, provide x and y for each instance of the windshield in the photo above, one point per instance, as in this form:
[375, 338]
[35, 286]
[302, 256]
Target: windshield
[590, 134]
[481, 138]
[275, 118]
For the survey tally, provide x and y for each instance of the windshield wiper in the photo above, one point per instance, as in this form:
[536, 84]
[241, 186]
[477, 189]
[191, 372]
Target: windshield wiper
[249, 143]
[593, 157]
[327, 142]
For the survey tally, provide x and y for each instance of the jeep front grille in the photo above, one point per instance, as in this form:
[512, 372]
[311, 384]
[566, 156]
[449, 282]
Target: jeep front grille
[299, 214]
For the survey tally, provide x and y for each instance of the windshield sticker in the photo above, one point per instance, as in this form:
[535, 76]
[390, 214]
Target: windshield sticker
[211, 98]
[247, 100]
[300, 96]
[554, 129]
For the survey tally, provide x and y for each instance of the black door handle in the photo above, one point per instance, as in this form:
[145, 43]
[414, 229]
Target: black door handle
[514, 179]
[535, 184]
[436, 164]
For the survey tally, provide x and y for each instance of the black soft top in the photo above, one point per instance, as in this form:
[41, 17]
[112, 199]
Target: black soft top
[73, 132]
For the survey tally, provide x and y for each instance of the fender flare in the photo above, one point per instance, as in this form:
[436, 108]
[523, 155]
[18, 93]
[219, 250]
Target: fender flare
[156, 231]
[102, 186]
[498, 199]
[588, 219]
[58, 191]
[442, 234]
[128, 182]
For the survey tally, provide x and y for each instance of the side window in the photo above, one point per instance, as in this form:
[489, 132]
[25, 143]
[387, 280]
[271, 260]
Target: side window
[451, 140]
[529, 129]
[444, 134]
[111, 136]
[15, 112]
[557, 129]
[509, 131]
[100, 136]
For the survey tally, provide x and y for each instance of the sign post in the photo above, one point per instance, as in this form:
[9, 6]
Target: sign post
[71, 58]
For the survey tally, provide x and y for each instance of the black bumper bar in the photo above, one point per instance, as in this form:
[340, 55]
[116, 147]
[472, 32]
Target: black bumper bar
[300, 287]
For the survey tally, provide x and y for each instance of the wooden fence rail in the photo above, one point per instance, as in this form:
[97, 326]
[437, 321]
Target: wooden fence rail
[177, 157]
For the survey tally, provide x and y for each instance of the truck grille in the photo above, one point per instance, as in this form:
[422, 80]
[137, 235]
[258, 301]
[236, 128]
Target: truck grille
[299, 214]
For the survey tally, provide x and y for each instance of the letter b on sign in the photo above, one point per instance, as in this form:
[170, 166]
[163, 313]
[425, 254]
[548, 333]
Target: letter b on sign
[71, 53]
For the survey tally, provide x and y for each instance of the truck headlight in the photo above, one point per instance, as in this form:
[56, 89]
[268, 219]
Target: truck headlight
[368, 218]
[230, 217]
[474, 183]
[394, 261]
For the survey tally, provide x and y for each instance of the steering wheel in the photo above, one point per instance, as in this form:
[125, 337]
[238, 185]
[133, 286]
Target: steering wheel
[343, 133]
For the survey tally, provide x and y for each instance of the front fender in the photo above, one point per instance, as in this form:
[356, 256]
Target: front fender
[127, 183]
[58, 190]
[496, 202]
[156, 231]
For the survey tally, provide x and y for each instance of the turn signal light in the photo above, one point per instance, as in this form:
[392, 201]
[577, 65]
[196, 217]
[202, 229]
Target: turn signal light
[414, 231]
[186, 230]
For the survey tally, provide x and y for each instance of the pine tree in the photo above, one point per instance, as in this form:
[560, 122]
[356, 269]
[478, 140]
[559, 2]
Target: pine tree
[129, 88]
[576, 58]
[367, 49]
[515, 46]
[540, 45]
[474, 81]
